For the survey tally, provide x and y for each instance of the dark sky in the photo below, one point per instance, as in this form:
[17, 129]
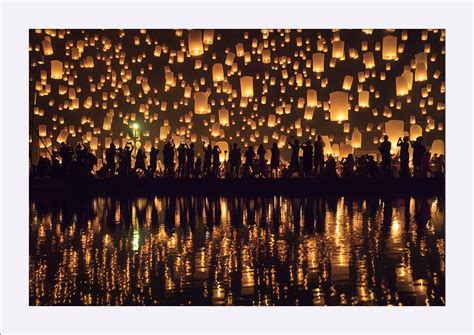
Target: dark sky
[228, 39]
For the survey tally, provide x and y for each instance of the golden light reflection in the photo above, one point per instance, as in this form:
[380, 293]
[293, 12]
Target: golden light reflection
[238, 251]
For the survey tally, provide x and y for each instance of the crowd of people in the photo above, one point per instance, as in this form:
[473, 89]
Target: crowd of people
[312, 163]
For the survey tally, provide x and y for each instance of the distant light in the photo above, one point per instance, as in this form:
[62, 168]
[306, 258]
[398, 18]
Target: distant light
[135, 126]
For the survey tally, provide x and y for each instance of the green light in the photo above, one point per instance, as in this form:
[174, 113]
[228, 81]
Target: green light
[135, 126]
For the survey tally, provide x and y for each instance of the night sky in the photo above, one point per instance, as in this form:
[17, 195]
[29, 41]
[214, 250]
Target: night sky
[113, 51]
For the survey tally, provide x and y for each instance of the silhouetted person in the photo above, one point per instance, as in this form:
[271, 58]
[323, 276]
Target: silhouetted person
[207, 159]
[418, 153]
[181, 160]
[235, 160]
[319, 156]
[275, 159]
[372, 167]
[140, 161]
[44, 167]
[361, 166]
[110, 160]
[294, 161]
[249, 168]
[216, 163]
[404, 156]
[261, 160]
[65, 152]
[386, 156]
[168, 158]
[127, 158]
[198, 168]
[348, 166]
[330, 171]
[190, 160]
[438, 165]
[307, 158]
[153, 159]
[56, 170]
[91, 161]
[425, 164]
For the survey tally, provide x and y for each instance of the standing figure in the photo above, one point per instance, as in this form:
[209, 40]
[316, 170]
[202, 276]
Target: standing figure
[181, 159]
[294, 162]
[110, 160]
[190, 160]
[153, 159]
[318, 156]
[418, 152]
[216, 163]
[386, 156]
[261, 160]
[404, 156]
[275, 160]
[140, 161]
[307, 159]
[235, 160]
[249, 161]
[207, 159]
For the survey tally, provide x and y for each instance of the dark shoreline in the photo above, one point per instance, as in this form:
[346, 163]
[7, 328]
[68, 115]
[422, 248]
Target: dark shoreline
[51, 188]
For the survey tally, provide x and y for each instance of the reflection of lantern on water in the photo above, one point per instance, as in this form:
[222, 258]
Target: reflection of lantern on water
[347, 84]
[246, 86]
[56, 69]
[200, 103]
[223, 117]
[356, 139]
[364, 99]
[311, 98]
[195, 43]
[437, 147]
[217, 72]
[389, 47]
[338, 106]
[318, 62]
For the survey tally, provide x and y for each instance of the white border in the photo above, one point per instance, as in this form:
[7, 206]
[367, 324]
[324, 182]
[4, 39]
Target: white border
[18, 17]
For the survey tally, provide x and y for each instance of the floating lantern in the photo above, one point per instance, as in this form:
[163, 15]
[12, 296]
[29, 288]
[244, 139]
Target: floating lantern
[229, 59]
[42, 130]
[347, 84]
[311, 98]
[394, 129]
[308, 113]
[338, 49]
[363, 99]
[200, 103]
[195, 43]
[246, 86]
[356, 139]
[208, 38]
[318, 62]
[389, 47]
[437, 147]
[56, 69]
[217, 72]
[338, 107]
[62, 137]
[368, 60]
[345, 149]
[420, 72]
[223, 117]
[401, 86]
[266, 56]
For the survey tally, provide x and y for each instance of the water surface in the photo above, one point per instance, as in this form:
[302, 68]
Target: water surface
[237, 251]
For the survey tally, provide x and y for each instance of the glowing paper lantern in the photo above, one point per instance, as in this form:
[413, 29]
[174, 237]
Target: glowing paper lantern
[224, 146]
[246, 86]
[266, 56]
[42, 130]
[345, 149]
[338, 49]
[437, 147]
[229, 59]
[338, 107]
[401, 85]
[215, 130]
[56, 69]
[347, 84]
[318, 62]
[200, 103]
[369, 60]
[62, 137]
[311, 98]
[415, 131]
[394, 129]
[356, 139]
[217, 72]
[271, 120]
[195, 43]
[308, 113]
[223, 117]
[208, 36]
[389, 47]
[364, 99]
[420, 72]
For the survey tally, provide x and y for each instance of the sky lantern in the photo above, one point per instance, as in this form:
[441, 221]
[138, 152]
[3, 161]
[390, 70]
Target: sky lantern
[415, 131]
[437, 147]
[266, 56]
[208, 38]
[420, 72]
[62, 137]
[356, 139]
[338, 49]
[56, 69]
[308, 113]
[347, 84]
[42, 130]
[201, 105]
[394, 129]
[215, 130]
[223, 117]
[195, 43]
[364, 99]
[229, 59]
[369, 60]
[345, 149]
[217, 72]
[246, 86]
[389, 47]
[311, 98]
[335, 150]
[401, 86]
[338, 107]
[271, 120]
[318, 62]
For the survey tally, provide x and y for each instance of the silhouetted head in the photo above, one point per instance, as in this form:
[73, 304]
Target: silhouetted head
[234, 145]
[260, 146]
[191, 145]
[319, 138]
[385, 137]
[250, 148]
[275, 145]
[209, 147]
[112, 146]
[406, 139]
[296, 141]
[308, 142]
